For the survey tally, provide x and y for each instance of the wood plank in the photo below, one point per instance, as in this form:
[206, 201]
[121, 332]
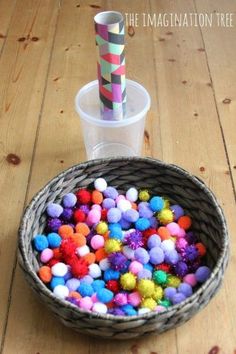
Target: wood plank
[6, 10]
[23, 69]
[191, 138]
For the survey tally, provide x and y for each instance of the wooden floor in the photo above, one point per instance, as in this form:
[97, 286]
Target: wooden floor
[47, 53]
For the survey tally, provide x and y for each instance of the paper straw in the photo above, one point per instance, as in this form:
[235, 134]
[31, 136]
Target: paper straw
[109, 27]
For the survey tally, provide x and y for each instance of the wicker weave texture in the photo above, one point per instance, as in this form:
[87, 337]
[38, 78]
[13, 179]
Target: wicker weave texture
[161, 178]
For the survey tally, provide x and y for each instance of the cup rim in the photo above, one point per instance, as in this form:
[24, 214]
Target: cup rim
[112, 123]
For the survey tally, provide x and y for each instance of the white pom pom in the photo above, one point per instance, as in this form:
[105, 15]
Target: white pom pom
[167, 245]
[82, 251]
[124, 205]
[59, 269]
[99, 307]
[132, 194]
[128, 252]
[61, 291]
[100, 184]
[104, 264]
[94, 270]
[143, 310]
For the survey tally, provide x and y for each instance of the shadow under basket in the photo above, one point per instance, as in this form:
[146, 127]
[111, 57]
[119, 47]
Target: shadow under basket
[160, 178]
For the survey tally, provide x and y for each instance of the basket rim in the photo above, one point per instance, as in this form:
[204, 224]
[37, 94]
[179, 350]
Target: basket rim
[27, 266]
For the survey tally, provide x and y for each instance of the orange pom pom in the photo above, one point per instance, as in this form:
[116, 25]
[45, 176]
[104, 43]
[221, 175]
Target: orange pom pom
[82, 228]
[134, 206]
[79, 239]
[75, 295]
[97, 197]
[201, 249]
[100, 254]
[185, 222]
[90, 258]
[57, 253]
[45, 274]
[65, 231]
[164, 233]
[106, 235]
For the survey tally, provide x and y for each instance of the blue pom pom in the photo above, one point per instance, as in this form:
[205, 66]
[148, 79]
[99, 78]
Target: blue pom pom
[142, 224]
[40, 242]
[104, 295]
[98, 284]
[129, 310]
[156, 203]
[111, 274]
[125, 224]
[148, 266]
[54, 240]
[56, 281]
[85, 289]
[116, 232]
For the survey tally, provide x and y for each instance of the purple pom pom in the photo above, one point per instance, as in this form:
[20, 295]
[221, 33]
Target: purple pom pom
[141, 255]
[54, 224]
[108, 203]
[117, 260]
[185, 289]
[110, 192]
[177, 210]
[177, 298]
[171, 257]
[85, 208]
[69, 200]
[181, 269]
[125, 225]
[156, 255]
[134, 239]
[190, 237]
[67, 214]
[191, 253]
[170, 292]
[202, 274]
[145, 274]
[131, 215]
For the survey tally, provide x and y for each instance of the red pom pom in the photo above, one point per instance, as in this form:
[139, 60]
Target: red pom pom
[83, 196]
[79, 267]
[104, 215]
[113, 285]
[52, 262]
[67, 249]
[79, 216]
[164, 266]
[110, 304]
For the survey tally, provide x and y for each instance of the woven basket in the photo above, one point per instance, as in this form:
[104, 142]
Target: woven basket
[161, 178]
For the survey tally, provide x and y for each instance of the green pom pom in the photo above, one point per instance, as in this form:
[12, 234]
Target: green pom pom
[165, 303]
[160, 277]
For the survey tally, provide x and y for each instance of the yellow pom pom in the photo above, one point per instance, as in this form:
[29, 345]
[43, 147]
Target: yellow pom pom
[128, 281]
[149, 303]
[166, 203]
[101, 228]
[112, 245]
[146, 287]
[158, 293]
[144, 195]
[165, 216]
[174, 281]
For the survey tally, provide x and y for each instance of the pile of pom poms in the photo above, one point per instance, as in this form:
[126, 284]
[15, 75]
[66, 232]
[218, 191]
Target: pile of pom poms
[121, 254]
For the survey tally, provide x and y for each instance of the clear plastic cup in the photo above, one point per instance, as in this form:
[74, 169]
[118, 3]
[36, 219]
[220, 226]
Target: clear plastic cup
[110, 138]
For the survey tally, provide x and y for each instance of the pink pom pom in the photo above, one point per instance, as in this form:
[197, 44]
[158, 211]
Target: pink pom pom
[97, 207]
[181, 233]
[159, 308]
[190, 279]
[135, 267]
[174, 228]
[97, 242]
[120, 197]
[93, 217]
[46, 255]
[121, 299]
[86, 303]
[134, 298]
[94, 298]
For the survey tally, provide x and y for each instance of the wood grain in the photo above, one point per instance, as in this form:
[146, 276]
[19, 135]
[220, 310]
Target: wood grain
[23, 69]
[6, 10]
[189, 72]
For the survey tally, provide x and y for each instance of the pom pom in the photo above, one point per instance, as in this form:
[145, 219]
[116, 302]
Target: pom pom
[156, 255]
[90, 258]
[174, 228]
[131, 215]
[117, 261]
[132, 194]
[113, 215]
[177, 298]
[160, 277]
[145, 274]
[110, 192]
[143, 311]
[83, 196]
[128, 252]
[79, 267]
[171, 257]
[181, 269]
[112, 245]
[54, 210]
[69, 200]
[82, 228]
[144, 210]
[59, 270]
[134, 239]
[61, 291]
[165, 303]
[177, 211]
[156, 204]
[169, 292]
[108, 203]
[164, 233]
[86, 303]
[185, 289]
[167, 245]
[79, 216]
[65, 231]
[129, 310]
[173, 281]
[78, 239]
[154, 241]
[67, 214]
[158, 293]
[104, 295]
[85, 289]
[56, 281]
[82, 251]
[141, 255]
[142, 224]
[149, 303]
[191, 253]
[102, 228]
[46, 255]
[121, 299]
[86, 279]
[128, 281]
[100, 184]
[94, 270]
[135, 267]
[45, 274]
[94, 216]
[99, 307]
[164, 266]
[165, 216]
[97, 197]
[124, 205]
[54, 224]
[185, 222]
[97, 242]
[190, 279]
[73, 284]
[98, 284]
[201, 249]
[202, 274]
[146, 287]
[144, 195]
[40, 242]
[67, 249]
[100, 254]
[134, 299]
